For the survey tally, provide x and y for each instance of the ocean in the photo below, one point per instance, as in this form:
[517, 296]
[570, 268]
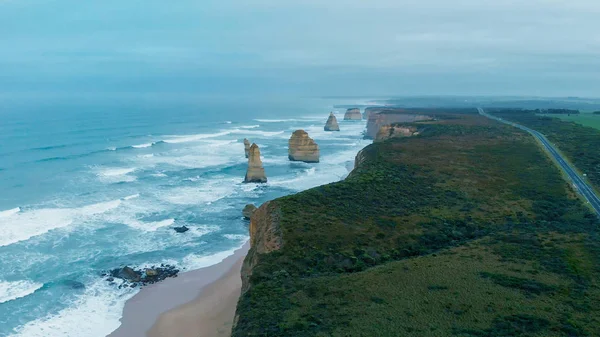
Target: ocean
[91, 185]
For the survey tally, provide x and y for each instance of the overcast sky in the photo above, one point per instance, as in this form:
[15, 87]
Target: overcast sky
[314, 47]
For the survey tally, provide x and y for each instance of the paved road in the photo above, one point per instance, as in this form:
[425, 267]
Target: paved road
[579, 183]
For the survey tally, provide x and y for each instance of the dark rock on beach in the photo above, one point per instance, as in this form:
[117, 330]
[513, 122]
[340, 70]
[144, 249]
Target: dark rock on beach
[141, 277]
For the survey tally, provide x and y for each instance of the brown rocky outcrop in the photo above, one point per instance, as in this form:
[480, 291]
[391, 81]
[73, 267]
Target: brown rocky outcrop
[332, 123]
[353, 114]
[387, 117]
[255, 172]
[265, 237]
[393, 131]
[248, 211]
[303, 148]
[246, 146]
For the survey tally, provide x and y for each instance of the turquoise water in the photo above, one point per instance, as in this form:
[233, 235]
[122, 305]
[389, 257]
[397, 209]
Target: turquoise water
[90, 186]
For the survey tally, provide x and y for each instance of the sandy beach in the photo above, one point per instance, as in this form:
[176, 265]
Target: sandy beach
[198, 303]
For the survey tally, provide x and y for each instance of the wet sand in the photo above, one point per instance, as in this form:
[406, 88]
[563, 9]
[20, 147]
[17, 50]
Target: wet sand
[198, 303]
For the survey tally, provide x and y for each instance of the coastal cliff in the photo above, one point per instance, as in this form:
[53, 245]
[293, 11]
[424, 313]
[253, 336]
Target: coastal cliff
[370, 255]
[378, 119]
[265, 237]
[392, 131]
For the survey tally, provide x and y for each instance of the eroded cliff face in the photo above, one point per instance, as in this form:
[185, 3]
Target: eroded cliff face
[377, 120]
[303, 148]
[372, 110]
[265, 237]
[393, 131]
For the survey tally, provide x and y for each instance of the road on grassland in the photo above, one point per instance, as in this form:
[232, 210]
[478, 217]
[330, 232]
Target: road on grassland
[582, 187]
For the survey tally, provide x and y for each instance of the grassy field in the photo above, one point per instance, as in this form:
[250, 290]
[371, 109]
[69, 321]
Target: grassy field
[585, 119]
[465, 230]
[580, 144]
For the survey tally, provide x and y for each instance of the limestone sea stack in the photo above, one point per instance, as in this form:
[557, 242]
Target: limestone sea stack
[332, 123]
[246, 146]
[303, 148]
[353, 114]
[256, 171]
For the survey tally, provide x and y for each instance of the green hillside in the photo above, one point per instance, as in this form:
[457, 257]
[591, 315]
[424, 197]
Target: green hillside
[465, 230]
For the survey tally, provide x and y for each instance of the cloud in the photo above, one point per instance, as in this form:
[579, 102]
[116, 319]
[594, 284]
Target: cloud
[506, 45]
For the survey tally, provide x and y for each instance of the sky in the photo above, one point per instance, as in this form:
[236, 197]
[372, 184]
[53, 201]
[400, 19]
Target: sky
[309, 47]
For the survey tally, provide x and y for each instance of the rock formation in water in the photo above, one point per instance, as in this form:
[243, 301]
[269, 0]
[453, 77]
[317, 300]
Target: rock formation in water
[303, 148]
[332, 123]
[248, 211]
[393, 131]
[353, 114]
[246, 146]
[256, 172]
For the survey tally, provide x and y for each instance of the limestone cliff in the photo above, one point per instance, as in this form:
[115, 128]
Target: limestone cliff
[387, 117]
[353, 114]
[265, 237]
[255, 172]
[372, 110]
[332, 123]
[246, 146]
[393, 131]
[303, 148]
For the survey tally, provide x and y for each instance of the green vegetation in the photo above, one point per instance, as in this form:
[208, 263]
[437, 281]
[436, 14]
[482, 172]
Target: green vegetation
[465, 230]
[585, 119]
[580, 144]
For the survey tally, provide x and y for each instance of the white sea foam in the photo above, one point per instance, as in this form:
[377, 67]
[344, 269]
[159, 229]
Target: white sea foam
[95, 313]
[149, 226]
[275, 120]
[303, 119]
[205, 194]
[25, 225]
[12, 290]
[195, 138]
[194, 261]
[249, 126]
[111, 172]
[236, 237]
[129, 197]
[257, 132]
[10, 212]
[112, 148]
[116, 174]
[141, 146]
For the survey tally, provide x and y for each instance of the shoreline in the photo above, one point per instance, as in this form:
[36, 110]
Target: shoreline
[160, 309]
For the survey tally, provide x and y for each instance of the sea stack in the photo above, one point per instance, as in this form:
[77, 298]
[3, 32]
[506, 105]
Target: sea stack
[332, 123]
[303, 148]
[353, 114]
[246, 146]
[256, 171]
